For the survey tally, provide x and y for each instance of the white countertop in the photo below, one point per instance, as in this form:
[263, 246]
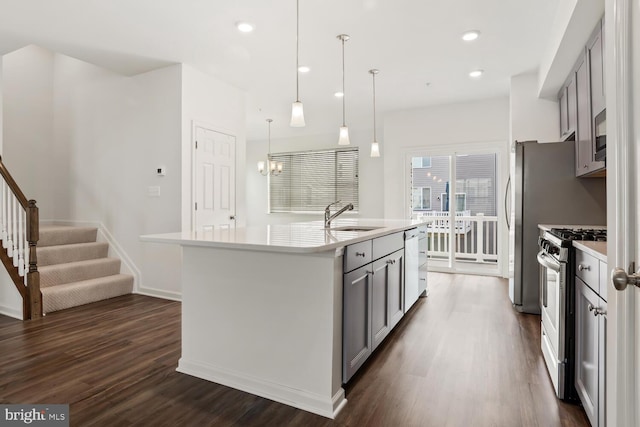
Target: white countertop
[299, 237]
[548, 227]
[596, 249]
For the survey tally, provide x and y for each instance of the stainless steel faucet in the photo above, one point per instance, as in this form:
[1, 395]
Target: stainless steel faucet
[327, 212]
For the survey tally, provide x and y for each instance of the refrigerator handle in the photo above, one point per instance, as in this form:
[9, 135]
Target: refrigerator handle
[506, 197]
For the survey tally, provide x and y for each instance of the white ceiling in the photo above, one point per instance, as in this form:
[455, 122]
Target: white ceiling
[411, 42]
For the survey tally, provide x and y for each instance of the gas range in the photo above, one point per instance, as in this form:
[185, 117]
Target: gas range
[557, 242]
[591, 234]
[557, 306]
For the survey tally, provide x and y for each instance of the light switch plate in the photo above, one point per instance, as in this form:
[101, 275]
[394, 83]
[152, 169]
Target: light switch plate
[153, 191]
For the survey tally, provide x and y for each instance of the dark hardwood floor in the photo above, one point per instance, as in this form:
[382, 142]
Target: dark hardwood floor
[461, 357]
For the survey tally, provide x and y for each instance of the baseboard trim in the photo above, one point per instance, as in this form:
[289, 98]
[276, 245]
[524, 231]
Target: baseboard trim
[310, 402]
[159, 293]
[11, 312]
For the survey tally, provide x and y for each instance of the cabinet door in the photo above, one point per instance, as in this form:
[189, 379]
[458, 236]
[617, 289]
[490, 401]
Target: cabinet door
[602, 364]
[564, 113]
[395, 279]
[587, 351]
[596, 71]
[584, 146]
[356, 339]
[572, 105]
[380, 320]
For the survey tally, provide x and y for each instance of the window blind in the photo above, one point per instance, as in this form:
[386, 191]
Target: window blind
[313, 179]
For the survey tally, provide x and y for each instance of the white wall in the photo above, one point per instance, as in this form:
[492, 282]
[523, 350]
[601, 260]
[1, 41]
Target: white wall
[370, 178]
[28, 122]
[213, 102]
[485, 121]
[532, 118]
[114, 131]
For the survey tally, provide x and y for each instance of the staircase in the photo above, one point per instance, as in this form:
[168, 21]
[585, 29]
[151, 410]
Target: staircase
[75, 269]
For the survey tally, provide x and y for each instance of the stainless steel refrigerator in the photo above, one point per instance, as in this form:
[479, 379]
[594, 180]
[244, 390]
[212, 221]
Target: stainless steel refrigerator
[543, 189]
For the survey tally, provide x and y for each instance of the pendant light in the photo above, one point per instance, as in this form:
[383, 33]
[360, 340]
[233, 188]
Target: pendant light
[343, 139]
[272, 167]
[297, 112]
[375, 147]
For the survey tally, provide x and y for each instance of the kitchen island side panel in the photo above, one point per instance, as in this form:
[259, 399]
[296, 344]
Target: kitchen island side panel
[246, 324]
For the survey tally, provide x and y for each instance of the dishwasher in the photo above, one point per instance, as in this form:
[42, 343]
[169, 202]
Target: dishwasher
[411, 268]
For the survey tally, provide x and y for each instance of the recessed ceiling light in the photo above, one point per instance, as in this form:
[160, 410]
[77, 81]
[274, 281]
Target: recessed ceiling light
[476, 73]
[338, 94]
[244, 27]
[304, 69]
[470, 35]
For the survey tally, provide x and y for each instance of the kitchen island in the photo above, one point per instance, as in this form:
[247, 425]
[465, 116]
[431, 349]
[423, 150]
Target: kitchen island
[262, 307]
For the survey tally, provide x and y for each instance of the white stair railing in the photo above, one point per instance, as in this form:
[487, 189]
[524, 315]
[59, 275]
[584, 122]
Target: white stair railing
[20, 233]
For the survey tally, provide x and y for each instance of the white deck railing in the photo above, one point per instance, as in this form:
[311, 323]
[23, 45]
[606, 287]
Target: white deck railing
[475, 237]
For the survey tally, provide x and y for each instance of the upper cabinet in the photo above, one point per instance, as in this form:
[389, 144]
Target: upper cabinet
[568, 108]
[581, 99]
[596, 69]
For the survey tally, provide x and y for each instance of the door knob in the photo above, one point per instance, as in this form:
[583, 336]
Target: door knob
[621, 279]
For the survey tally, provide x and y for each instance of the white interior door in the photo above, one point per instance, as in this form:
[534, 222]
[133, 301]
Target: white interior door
[214, 180]
[622, 53]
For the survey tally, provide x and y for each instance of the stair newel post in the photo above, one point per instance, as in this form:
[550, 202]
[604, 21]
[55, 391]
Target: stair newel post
[33, 276]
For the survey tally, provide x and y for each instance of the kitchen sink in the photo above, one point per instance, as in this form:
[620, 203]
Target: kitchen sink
[354, 228]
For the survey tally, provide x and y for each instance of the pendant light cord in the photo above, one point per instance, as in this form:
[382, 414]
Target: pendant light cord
[343, 92]
[374, 107]
[297, 49]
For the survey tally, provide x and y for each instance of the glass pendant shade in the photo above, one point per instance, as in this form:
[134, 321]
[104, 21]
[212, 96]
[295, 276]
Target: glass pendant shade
[297, 115]
[375, 149]
[343, 139]
[261, 167]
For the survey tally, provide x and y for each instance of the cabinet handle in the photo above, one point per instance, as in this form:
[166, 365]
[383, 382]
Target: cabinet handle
[585, 166]
[423, 279]
[584, 267]
[423, 252]
[362, 254]
[371, 272]
[597, 311]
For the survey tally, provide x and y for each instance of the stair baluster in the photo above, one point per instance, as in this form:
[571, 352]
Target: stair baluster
[20, 230]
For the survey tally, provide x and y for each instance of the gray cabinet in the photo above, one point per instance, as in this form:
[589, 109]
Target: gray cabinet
[387, 296]
[591, 329]
[589, 77]
[584, 148]
[357, 343]
[373, 297]
[568, 108]
[595, 53]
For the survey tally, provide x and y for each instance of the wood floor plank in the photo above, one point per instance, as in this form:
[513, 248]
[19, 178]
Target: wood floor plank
[460, 357]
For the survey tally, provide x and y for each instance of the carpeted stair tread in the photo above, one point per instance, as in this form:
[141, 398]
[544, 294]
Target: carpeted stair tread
[52, 235]
[84, 292]
[62, 254]
[58, 274]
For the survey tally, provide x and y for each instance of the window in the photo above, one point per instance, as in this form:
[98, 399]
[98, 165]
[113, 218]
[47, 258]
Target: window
[421, 198]
[461, 202]
[421, 162]
[313, 179]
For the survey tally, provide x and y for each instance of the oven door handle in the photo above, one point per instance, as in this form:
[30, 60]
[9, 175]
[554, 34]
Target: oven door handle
[548, 262]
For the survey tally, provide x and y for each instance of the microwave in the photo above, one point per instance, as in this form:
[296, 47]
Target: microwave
[600, 134]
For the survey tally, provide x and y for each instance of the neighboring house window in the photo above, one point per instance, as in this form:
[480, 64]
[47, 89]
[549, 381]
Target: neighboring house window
[421, 198]
[421, 162]
[461, 202]
[313, 179]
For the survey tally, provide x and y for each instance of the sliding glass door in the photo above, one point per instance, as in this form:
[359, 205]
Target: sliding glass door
[458, 194]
